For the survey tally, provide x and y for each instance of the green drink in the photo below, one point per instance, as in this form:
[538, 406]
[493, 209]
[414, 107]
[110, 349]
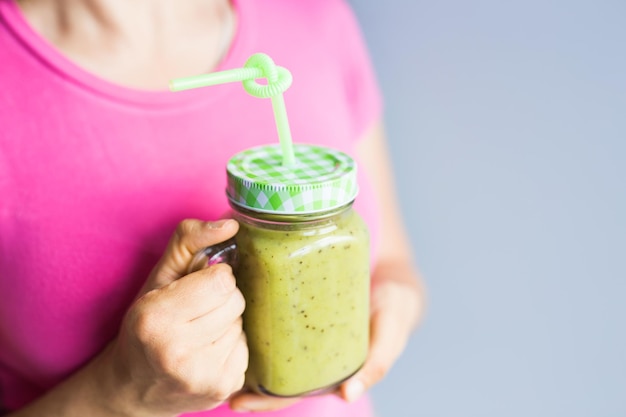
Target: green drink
[306, 286]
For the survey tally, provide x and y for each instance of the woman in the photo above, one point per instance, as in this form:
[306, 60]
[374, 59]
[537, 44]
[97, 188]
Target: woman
[98, 166]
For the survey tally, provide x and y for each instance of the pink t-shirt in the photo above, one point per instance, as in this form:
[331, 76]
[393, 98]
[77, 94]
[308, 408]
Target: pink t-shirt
[94, 177]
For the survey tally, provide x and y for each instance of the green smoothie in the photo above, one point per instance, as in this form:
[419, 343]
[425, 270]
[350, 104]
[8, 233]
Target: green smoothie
[307, 302]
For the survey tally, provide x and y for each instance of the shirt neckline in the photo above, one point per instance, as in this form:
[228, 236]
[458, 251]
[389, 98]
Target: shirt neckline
[55, 61]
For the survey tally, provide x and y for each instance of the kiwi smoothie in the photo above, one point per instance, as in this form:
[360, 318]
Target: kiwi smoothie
[306, 287]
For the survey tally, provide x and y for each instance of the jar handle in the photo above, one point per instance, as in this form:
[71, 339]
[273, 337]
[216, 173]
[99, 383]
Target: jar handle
[225, 252]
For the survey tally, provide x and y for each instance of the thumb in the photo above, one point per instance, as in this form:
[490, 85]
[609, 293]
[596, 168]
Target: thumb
[190, 237]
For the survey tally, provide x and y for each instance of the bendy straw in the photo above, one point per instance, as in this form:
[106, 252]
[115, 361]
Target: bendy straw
[257, 66]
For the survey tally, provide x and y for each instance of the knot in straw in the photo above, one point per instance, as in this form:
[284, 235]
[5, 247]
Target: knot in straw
[278, 78]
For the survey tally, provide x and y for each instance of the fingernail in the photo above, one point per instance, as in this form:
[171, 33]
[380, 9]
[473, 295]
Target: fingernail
[354, 390]
[241, 409]
[250, 405]
[220, 224]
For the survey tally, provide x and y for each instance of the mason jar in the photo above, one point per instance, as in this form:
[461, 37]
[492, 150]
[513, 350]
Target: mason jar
[301, 260]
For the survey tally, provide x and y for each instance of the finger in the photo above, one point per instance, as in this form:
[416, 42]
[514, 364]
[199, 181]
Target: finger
[237, 361]
[209, 334]
[216, 321]
[199, 293]
[208, 371]
[190, 237]
[249, 401]
[227, 365]
[221, 348]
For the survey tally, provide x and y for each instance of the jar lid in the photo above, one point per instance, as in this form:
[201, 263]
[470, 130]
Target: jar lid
[321, 179]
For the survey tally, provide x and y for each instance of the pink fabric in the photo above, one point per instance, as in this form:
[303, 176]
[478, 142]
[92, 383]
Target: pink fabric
[94, 176]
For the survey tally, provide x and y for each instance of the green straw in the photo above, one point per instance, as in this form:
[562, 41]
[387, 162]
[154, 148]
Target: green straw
[257, 66]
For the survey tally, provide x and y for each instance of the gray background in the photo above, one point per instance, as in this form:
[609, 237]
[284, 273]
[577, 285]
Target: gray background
[507, 122]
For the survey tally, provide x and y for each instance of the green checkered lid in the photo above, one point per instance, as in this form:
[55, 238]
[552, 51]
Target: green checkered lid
[321, 179]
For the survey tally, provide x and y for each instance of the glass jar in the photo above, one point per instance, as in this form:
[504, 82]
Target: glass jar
[301, 260]
[306, 284]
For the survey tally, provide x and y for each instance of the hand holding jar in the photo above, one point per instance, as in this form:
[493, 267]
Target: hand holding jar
[181, 346]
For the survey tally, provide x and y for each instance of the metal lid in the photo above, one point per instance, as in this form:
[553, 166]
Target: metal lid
[321, 179]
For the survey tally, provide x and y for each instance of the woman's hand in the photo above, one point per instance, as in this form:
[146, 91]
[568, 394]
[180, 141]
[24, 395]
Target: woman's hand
[181, 346]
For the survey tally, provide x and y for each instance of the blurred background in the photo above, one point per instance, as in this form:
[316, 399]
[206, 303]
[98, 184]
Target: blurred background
[507, 122]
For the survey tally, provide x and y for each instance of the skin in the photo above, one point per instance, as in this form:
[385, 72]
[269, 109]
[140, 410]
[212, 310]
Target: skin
[157, 365]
